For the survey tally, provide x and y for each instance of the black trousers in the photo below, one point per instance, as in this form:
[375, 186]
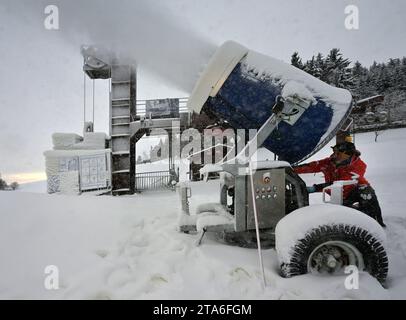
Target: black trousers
[363, 198]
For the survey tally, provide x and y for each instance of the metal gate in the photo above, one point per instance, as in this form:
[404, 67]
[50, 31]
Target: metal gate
[154, 180]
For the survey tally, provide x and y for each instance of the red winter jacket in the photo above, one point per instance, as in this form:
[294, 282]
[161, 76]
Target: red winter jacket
[341, 172]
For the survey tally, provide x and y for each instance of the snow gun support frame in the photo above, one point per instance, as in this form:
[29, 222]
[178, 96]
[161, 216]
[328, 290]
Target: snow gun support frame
[278, 190]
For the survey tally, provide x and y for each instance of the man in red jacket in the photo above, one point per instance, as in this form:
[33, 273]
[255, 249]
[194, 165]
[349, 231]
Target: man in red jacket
[345, 164]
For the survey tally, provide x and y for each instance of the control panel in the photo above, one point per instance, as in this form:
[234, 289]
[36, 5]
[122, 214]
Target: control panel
[269, 193]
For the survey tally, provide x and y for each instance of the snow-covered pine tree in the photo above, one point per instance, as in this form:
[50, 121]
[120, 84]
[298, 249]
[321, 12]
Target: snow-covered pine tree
[296, 61]
[337, 69]
[387, 79]
[403, 73]
[395, 73]
[383, 80]
[359, 74]
[3, 184]
[319, 67]
[373, 74]
[14, 185]
[310, 66]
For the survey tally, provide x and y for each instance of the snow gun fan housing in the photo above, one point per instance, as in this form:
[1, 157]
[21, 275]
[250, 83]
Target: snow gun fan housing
[240, 86]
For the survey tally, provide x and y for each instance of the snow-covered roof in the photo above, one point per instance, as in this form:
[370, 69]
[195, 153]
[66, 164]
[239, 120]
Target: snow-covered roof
[72, 153]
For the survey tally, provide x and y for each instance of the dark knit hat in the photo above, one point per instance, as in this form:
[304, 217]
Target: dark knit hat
[346, 147]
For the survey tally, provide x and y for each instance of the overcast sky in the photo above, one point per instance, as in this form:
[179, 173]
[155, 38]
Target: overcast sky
[41, 79]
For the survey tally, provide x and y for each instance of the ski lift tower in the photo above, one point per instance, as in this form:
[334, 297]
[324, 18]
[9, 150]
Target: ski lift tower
[102, 64]
[130, 119]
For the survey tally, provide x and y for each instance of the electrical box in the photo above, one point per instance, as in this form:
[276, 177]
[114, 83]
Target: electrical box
[269, 193]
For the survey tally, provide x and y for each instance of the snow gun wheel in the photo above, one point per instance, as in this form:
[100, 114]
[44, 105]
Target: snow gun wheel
[344, 238]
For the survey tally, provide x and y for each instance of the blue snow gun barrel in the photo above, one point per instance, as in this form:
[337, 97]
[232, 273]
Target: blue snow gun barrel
[240, 86]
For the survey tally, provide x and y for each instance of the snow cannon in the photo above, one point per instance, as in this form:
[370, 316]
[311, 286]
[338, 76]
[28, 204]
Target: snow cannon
[240, 86]
[263, 202]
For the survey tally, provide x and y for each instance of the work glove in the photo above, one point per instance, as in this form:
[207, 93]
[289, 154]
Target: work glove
[311, 189]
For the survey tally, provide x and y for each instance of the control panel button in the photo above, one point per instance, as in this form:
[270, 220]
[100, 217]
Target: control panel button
[266, 178]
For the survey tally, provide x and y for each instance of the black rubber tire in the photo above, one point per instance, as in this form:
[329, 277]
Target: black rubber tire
[373, 252]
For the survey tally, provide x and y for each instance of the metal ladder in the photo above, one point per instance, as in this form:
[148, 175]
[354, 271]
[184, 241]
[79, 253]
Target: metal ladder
[122, 112]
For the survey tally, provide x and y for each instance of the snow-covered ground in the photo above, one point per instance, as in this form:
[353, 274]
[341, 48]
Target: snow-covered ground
[128, 247]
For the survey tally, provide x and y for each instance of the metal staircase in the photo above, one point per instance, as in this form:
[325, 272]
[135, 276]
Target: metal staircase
[122, 113]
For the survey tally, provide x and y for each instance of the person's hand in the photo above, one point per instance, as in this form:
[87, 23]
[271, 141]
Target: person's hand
[311, 189]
